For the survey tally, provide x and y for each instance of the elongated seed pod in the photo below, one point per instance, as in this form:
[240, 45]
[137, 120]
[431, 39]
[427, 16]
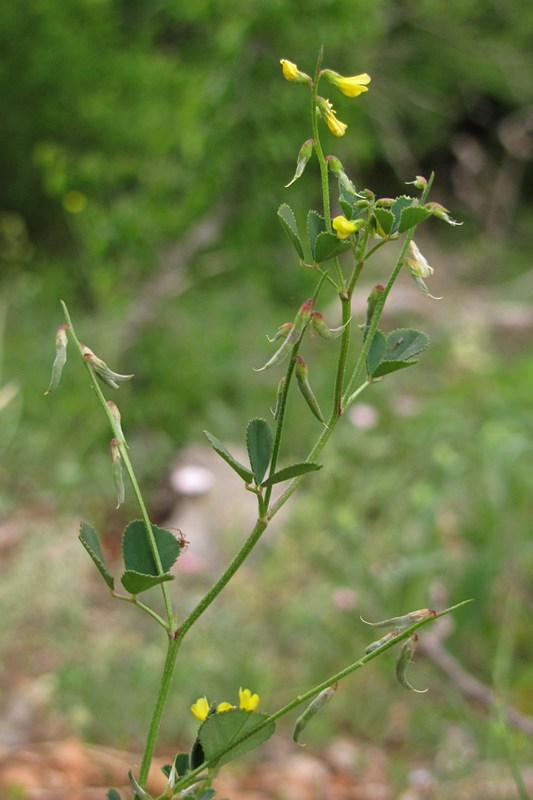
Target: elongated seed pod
[384, 639]
[404, 659]
[303, 384]
[293, 336]
[404, 621]
[313, 708]
[60, 359]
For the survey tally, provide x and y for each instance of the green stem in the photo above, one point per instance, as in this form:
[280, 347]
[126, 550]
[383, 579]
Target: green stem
[136, 602]
[159, 707]
[129, 469]
[318, 147]
[226, 576]
[343, 355]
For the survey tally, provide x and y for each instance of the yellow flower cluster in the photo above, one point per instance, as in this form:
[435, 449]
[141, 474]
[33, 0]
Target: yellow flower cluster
[351, 86]
[247, 701]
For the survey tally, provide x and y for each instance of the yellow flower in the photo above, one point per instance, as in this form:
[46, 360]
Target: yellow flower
[200, 709]
[247, 700]
[328, 114]
[345, 227]
[351, 87]
[292, 73]
[224, 706]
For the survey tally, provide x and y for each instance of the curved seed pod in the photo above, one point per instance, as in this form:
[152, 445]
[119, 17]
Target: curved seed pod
[293, 336]
[305, 388]
[101, 369]
[118, 475]
[313, 708]
[404, 621]
[304, 155]
[320, 327]
[404, 659]
[281, 387]
[281, 332]
[384, 639]
[60, 359]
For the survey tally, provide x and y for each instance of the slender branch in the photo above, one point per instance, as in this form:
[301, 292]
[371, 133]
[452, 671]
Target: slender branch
[129, 469]
[343, 673]
[133, 599]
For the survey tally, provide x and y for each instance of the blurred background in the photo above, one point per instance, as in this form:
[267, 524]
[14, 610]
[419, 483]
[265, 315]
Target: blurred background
[145, 145]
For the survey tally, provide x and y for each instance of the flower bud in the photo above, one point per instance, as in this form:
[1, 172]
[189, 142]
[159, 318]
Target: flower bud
[419, 182]
[116, 416]
[419, 268]
[295, 333]
[281, 332]
[101, 369]
[441, 213]
[60, 359]
[292, 73]
[336, 168]
[403, 621]
[118, 475]
[380, 642]
[305, 388]
[351, 87]
[346, 227]
[318, 325]
[306, 151]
